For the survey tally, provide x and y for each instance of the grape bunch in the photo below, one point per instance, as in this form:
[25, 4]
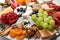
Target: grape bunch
[43, 20]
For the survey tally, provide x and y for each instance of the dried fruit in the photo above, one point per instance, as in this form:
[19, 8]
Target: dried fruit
[18, 31]
[12, 33]
[23, 32]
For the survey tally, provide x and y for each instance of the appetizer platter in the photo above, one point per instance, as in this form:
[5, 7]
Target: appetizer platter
[29, 20]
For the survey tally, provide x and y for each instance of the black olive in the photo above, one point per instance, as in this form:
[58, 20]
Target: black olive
[31, 6]
[35, 11]
[25, 23]
[20, 15]
[18, 9]
[28, 22]
[24, 10]
[21, 9]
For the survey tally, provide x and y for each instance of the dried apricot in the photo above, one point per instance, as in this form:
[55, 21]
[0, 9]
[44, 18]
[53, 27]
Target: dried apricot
[18, 31]
[12, 33]
[23, 32]
[20, 37]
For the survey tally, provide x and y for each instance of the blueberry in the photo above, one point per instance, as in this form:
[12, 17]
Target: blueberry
[18, 9]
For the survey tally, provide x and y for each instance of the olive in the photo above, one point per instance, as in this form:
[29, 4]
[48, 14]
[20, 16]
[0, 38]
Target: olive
[26, 23]
[24, 10]
[18, 9]
[35, 11]
[21, 9]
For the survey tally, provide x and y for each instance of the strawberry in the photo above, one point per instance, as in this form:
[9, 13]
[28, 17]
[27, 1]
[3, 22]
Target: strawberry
[14, 4]
[56, 20]
[9, 18]
[53, 6]
[50, 13]
[12, 17]
[57, 14]
[56, 7]
[4, 18]
[57, 25]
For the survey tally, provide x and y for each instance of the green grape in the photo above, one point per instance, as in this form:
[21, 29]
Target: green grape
[44, 17]
[33, 17]
[40, 15]
[45, 14]
[50, 27]
[52, 23]
[40, 11]
[49, 17]
[41, 24]
[46, 20]
[45, 25]
[40, 19]
[37, 23]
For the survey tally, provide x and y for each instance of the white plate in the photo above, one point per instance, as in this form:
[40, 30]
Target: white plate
[2, 1]
[23, 39]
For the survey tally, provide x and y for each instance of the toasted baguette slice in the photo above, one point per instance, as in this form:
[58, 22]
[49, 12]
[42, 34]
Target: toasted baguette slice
[6, 31]
[51, 33]
[43, 34]
[46, 34]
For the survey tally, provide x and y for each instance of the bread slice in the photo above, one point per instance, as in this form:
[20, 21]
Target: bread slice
[51, 33]
[46, 34]
[6, 31]
[43, 34]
